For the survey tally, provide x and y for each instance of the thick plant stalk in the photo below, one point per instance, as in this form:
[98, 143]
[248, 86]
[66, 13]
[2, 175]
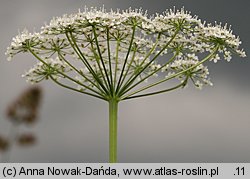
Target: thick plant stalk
[113, 109]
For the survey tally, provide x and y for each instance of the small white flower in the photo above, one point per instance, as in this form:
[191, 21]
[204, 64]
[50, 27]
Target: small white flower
[216, 58]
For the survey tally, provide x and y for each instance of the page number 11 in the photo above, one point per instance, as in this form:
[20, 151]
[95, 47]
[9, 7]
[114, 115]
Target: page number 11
[240, 171]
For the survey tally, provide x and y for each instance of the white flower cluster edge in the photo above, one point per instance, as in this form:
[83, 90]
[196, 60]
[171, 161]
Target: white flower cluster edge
[142, 42]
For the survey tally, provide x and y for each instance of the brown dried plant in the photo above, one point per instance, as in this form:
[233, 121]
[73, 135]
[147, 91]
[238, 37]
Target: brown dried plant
[22, 111]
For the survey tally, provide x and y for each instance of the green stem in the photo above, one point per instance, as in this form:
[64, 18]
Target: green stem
[109, 59]
[157, 92]
[130, 81]
[154, 72]
[116, 60]
[145, 58]
[84, 60]
[113, 109]
[80, 73]
[73, 89]
[126, 59]
[100, 56]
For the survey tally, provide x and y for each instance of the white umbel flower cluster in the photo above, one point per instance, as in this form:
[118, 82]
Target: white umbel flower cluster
[198, 75]
[222, 35]
[118, 49]
[51, 68]
[19, 42]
